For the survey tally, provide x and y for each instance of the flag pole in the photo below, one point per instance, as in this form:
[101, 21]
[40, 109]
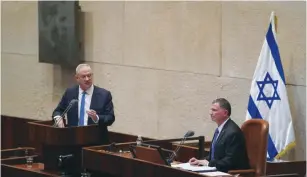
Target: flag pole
[275, 18]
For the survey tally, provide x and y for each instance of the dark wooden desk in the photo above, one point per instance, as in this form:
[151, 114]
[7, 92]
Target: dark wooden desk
[286, 167]
[99, 161]
[15, 133]
[16, 166]
[13, 163]
[22, 170]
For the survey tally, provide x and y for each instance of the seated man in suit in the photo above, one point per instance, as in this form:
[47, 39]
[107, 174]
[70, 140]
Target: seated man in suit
[94, 103]
[228, 150]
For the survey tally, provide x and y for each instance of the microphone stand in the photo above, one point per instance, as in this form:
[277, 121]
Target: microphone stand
[65, 111]
[174, 154]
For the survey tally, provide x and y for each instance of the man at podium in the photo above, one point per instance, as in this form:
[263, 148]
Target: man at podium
[228, 150]
[85, 103]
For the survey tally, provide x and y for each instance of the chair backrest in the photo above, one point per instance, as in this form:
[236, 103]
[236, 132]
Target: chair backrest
[256, 136]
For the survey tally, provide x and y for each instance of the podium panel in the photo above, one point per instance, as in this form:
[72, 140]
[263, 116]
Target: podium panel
[151, 154]
[62, 147]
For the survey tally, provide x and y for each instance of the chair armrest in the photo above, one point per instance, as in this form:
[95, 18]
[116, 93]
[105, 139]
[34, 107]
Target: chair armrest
[245, 172]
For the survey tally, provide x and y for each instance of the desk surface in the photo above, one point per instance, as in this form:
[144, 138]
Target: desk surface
[35, 167]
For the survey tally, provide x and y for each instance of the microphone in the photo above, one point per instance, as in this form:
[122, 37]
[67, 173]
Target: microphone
[186, 135]
[189, 134]
[71, 103]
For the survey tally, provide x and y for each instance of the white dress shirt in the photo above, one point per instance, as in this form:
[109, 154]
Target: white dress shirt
[220, 128]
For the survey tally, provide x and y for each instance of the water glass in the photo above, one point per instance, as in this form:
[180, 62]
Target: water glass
[29, 161]
[26, 152]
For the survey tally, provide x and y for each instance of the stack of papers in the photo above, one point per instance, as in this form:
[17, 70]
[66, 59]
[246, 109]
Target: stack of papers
[215, 173]
[187, 166]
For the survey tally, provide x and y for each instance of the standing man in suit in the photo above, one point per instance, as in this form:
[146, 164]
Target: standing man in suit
[228, 150]
[94, 103]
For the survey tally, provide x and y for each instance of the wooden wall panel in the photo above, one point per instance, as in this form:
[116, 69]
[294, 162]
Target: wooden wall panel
[14, 132]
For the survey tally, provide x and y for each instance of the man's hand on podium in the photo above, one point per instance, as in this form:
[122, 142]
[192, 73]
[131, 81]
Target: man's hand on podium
[59, 121]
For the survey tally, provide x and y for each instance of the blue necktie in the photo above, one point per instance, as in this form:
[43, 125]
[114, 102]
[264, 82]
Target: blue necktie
[81, 121]
[213, 143]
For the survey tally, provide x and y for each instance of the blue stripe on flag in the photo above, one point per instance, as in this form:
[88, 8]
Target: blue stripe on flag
[253, 110]
[255, 114]
[271, 148]
[275, 52]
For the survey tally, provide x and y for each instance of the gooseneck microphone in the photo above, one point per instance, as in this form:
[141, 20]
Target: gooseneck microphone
[174, 154]
[71, 103]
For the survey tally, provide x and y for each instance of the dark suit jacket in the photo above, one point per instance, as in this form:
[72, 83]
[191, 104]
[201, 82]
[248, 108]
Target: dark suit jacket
[101, 102]
[230, 150]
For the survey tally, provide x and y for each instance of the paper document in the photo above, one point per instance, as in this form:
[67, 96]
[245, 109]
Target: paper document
[187, 166]
[215, 173]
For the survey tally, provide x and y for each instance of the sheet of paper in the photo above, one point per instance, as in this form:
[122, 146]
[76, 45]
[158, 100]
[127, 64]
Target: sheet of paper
[215, 173]
[277, 161]
[187, 166]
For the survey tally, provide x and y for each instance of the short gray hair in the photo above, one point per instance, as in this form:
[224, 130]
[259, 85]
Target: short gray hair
[223, 104]
[81, 66]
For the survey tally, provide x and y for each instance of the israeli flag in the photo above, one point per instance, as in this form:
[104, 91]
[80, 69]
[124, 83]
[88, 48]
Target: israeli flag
[268, 98]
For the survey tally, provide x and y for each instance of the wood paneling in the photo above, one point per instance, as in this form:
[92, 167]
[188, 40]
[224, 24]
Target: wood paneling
[286, 167]
[14, 132]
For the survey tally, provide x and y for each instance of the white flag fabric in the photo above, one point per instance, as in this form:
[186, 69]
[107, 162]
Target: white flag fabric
[268, 98]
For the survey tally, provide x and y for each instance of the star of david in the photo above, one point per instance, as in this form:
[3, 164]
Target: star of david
[266, 97]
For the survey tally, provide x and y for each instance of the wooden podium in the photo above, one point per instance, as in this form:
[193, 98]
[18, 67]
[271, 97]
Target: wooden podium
[65, 142]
